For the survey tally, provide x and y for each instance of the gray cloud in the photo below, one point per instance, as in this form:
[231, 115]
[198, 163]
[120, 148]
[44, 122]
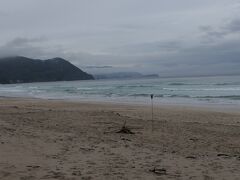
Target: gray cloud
[200, 60]
[149, 48]
[166, 37]
[22, 47]
[234, 26]
[215, 33]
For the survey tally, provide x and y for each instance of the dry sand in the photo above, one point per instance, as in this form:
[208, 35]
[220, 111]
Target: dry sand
[43, 139]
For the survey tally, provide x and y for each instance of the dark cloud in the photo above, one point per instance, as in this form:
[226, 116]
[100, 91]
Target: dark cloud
[21, 42]
[234, 26]
[22, 47]
[214, 33]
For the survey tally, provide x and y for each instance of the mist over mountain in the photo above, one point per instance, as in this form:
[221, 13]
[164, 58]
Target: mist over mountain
[124, 75]
[25, 70]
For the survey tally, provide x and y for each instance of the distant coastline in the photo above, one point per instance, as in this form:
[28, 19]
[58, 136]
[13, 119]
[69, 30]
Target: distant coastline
[124, 75]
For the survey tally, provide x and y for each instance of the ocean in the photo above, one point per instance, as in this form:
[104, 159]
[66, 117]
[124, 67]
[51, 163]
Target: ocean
[221, 90]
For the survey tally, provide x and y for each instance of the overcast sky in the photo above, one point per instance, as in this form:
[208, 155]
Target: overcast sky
[168, 37]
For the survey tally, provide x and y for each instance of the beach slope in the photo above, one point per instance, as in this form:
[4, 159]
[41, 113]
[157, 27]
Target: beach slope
[43, 139]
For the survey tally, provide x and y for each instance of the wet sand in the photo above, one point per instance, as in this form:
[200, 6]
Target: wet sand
[46, 139]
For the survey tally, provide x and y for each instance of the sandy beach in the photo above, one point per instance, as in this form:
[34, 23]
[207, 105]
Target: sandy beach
[50, 139]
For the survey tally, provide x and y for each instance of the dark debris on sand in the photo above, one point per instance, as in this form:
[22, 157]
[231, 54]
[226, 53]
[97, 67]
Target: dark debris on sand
[125, 130]
[159, 171]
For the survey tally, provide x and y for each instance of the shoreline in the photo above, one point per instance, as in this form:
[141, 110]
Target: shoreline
[227, 108]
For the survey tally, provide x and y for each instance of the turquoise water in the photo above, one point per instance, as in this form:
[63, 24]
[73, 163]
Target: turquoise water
[200, 90]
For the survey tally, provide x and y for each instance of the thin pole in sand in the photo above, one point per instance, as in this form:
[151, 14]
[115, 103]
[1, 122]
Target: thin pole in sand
[152, 109]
